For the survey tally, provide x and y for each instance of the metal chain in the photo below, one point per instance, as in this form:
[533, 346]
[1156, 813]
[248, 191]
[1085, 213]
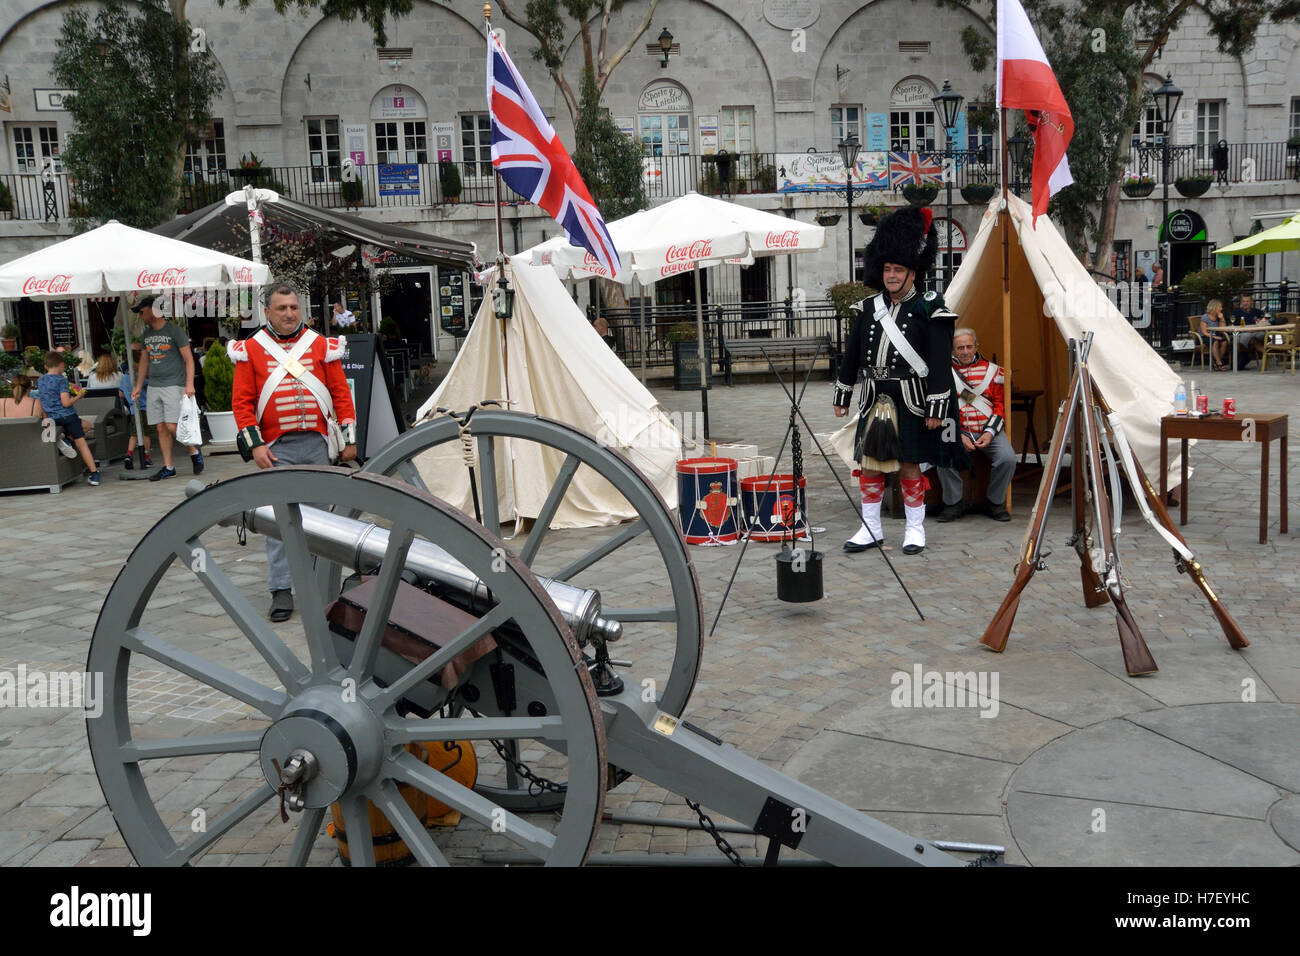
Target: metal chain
[796, 449]
[986, 859]
[725, 848]
[536, 784]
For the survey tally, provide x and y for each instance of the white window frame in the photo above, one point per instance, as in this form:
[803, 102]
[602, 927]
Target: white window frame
[203, 157]
[475, 156]
[1209, 113]
[1293, 127]
[327, 173]
[846, 118]
[44, 141]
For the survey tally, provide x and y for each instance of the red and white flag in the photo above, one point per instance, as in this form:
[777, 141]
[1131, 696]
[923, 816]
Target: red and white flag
[1026, 82]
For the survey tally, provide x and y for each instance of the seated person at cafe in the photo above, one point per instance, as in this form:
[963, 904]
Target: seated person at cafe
[1217, 341]
[1250, 346]
[21, 403]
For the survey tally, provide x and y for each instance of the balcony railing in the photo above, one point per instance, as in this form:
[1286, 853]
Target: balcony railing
[1238, 162]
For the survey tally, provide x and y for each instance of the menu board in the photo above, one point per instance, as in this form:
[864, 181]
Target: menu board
[379, 418]
[451, 301]
[63, 324]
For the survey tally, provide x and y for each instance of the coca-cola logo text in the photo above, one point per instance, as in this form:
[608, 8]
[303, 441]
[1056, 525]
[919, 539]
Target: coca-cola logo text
[159, 280]
[697, 250]
[54, 285]
[244, 274]
[782, 240]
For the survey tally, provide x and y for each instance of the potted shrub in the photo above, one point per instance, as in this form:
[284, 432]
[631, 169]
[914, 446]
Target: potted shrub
[871, 215]
[6, 201]
[1216, 283]
[1193, 186]
[352, 192]
[764, 178]
[686, 357]
[218, 377]
[1136, 187]
[978, 192]
[250, 167]
[921, 195]
[449, 181]
[9, 337]
[709, 184]
[825, 218]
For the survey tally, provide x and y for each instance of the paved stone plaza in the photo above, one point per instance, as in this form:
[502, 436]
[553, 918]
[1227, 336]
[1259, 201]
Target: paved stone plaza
[1079, 765]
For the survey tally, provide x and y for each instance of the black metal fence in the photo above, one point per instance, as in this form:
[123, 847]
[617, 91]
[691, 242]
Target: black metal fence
[1236, 162]
[1165, 318]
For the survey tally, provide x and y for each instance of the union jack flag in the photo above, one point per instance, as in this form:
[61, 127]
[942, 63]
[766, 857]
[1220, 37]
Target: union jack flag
[534, 163]
[913, 169]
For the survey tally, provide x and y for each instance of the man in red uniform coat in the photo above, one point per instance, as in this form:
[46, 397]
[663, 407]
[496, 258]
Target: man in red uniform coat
[287, 380]
[981, 400]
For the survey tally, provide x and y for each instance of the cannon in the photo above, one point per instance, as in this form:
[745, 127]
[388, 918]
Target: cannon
[316, 714]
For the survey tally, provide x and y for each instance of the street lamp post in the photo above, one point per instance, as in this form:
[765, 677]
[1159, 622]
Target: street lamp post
[1017, 146]
[1167, 98]
[948, 104]
[848, 147]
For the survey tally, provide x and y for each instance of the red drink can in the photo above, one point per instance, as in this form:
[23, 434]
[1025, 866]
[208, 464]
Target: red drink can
[1229, 408]
[1202, 404]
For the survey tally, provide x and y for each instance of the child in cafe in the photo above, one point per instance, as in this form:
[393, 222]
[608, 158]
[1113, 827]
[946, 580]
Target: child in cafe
[57, 401]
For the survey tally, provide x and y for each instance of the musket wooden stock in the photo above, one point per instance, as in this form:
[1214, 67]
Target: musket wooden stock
[999, 629]
[1094, 592]
[1137, 656]
[1231, 630]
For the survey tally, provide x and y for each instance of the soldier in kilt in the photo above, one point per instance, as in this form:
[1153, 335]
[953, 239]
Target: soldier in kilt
[901, 346]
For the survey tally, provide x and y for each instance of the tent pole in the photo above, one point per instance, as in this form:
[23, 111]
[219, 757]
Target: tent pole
[641, 336]
[1004, 216]
[702, 351]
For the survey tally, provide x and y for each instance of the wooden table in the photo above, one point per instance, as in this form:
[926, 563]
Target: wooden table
[1236, 331]
[1244, 427]
[1022, 400]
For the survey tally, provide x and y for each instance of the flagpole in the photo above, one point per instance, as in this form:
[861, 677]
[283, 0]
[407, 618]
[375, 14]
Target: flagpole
[501, 257]
[1004, 217]
[496, 177]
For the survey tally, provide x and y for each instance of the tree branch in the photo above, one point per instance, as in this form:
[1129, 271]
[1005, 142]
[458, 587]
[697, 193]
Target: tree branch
[626, 48]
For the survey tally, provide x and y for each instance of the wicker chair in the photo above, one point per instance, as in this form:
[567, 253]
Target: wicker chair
[1282, 343]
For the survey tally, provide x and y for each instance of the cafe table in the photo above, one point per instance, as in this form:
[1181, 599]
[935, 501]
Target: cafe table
[1237, 331]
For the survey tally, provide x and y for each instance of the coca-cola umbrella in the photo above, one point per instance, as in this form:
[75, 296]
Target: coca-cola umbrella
[116, 259]
[684, 235]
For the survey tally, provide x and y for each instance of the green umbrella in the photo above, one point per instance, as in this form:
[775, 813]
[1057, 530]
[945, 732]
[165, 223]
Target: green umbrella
[1283, 238]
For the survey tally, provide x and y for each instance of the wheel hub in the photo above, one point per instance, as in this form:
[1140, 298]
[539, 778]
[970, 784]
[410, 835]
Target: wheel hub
[322, 748]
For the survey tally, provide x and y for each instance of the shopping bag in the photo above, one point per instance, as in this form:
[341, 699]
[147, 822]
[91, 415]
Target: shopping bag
[188, 429]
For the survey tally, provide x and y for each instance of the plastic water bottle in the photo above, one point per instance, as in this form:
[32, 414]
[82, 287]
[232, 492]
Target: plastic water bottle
[1180, 399]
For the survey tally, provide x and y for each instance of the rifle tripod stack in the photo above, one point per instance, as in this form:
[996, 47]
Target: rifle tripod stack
[1096, 433]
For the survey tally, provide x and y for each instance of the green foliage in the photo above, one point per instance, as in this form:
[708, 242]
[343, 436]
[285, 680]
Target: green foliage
[352, 191]
[682, 332]
[133, 108]
[6, 198]
[845, 294]
[9, 363]
[218, 378]
[449, 180]
[10, 331]
[1216, 283]
[371, 12]
[608, 161]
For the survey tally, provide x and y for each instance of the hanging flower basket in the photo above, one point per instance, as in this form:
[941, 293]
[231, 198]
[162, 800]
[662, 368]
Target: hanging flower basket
[1193, 186]
[978, 193]
[1138, 188]
[868, 218]
[920, 195]
[828, 219]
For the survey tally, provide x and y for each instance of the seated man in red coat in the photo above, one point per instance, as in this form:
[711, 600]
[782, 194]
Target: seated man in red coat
[288, 381]
[981, 401]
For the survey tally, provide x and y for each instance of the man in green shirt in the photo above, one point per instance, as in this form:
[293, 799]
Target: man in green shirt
[168, 364]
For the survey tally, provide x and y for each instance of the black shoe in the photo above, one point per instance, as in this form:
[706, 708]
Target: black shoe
[951, 512]
[852, 548]
[196, 460]
[129, 465]
[281, 606]
[913, 548]
[162, 473]
[995, 510]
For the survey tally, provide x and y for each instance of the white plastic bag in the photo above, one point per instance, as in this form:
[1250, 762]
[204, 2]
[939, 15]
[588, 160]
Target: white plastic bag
[188, 429]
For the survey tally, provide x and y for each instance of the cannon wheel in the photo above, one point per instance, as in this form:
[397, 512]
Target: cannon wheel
[679, 607]
[358, 742]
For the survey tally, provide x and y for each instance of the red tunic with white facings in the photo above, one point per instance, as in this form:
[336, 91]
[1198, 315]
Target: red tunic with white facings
[292, 407]
[975, 419]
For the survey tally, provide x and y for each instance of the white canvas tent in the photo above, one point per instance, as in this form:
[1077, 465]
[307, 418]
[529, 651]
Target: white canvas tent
[548, 360]
[1053, 298]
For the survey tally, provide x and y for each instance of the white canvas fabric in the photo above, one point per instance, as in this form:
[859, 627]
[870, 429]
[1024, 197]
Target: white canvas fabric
[1054, 298]
[559, 368]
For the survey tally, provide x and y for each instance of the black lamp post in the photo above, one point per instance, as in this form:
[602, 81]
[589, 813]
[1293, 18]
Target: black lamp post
[665, 46]
[948, 105]
[848, 147]
[1017, 147]
[1167, 99]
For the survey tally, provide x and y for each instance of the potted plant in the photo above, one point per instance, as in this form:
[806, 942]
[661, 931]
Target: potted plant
[871, 215]
[827, 218]
[449, 181]
[352, 192]
[978, 192]
[686, 357]
[218, 378]
[1193, 186]
[1135, 187]
[764, 178]
[709, 184]
[920, 195]
[1293, 144]
[9, 337]
[250, 166]
[6, 201]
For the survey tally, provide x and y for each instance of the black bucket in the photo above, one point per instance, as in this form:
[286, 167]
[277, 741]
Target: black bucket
[799, 582]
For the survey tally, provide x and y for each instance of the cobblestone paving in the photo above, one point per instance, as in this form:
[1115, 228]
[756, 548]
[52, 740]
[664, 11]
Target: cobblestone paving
[776, 678]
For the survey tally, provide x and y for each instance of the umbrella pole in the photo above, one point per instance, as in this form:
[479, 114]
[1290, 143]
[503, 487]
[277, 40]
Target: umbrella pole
[255, 248]
[641, 334]
[702, 350]
[139, 472]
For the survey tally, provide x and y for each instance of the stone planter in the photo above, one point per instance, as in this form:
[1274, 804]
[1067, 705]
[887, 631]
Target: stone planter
[978, 193]
[223, 428]
[828, 220]
[868, 218]
[1138, 190]
[1191, 188]
[920, 195]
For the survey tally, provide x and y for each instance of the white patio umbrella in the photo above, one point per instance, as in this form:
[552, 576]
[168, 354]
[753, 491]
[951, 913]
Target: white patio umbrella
[686, 234]
[116, 259]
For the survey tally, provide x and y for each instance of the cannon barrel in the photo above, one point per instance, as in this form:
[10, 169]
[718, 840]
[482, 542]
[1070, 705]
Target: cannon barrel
[361, 546]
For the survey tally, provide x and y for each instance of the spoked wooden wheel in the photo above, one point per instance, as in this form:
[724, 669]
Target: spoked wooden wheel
[657, 601]
[288, 710]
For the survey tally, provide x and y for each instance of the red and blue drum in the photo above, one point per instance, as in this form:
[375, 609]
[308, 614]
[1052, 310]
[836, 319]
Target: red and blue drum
[708, 493]
[773, 508]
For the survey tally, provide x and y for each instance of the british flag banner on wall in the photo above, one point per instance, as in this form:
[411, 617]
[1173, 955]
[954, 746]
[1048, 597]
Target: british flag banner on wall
[534, 163]
[914, 169]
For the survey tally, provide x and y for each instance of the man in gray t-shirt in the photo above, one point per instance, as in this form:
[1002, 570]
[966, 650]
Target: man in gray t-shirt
[167, 363]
